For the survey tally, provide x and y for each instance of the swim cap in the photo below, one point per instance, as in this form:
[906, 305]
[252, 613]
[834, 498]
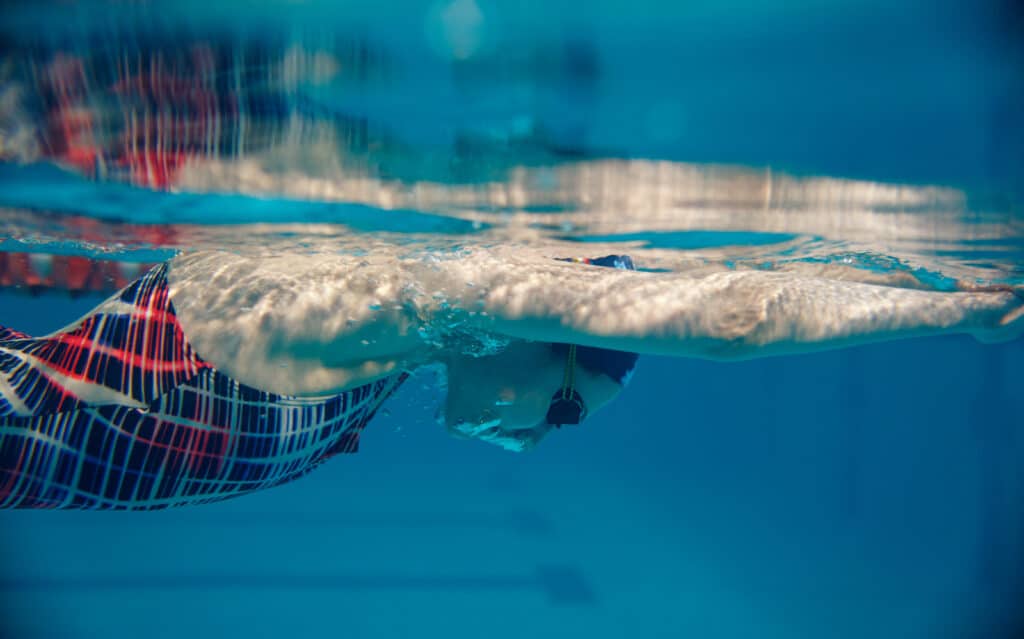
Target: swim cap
[615, 261]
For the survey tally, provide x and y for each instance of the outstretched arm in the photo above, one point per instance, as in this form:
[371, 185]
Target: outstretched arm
[317, 323]
[741, 314]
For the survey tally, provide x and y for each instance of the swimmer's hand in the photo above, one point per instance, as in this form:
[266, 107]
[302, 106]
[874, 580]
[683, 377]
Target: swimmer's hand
[1016, 313]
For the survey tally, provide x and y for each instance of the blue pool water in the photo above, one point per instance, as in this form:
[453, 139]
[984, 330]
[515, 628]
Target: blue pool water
[871, 485]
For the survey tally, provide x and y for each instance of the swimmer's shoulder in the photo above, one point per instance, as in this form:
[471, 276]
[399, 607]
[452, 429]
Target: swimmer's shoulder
[295, 324]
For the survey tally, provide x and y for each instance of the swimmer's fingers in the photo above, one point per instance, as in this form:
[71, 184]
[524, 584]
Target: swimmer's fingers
[1015, 314]
[973, 287]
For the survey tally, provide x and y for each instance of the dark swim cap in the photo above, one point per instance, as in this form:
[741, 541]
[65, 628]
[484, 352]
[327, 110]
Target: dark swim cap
[615, 261]
[618, 365]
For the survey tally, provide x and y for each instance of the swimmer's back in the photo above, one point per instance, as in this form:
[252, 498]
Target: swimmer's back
[118, 411]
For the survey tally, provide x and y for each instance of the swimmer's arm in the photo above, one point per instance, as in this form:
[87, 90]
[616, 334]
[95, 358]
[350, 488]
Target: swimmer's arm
[740, 314]
[298, 325]
[293, 325]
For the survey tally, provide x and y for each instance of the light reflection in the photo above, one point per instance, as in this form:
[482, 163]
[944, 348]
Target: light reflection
[305, 118]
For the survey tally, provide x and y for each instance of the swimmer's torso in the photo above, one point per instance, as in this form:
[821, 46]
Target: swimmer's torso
[118, 412]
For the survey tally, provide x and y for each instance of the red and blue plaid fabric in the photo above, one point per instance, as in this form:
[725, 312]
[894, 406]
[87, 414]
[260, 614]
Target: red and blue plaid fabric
[118, 412]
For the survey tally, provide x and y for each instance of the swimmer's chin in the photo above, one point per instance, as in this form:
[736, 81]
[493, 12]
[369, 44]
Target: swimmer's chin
[516, 440]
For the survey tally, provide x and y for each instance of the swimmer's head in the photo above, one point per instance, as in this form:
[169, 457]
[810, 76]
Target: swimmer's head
[623, 262]
[516, 397]
[507, 398]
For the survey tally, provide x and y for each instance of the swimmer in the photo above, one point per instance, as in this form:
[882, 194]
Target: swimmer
[121, 411]
[219, 373]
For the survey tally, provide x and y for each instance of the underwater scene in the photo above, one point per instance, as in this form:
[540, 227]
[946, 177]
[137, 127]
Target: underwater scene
[465, 318]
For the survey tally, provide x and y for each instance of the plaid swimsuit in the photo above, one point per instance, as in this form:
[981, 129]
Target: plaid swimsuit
[118, 412]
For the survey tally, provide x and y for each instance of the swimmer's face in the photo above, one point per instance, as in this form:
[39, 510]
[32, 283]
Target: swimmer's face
[504, 398]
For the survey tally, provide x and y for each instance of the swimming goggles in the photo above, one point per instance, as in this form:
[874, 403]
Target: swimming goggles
[567, 406]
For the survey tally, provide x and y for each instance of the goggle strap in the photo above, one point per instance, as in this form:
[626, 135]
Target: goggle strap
[569, 377]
